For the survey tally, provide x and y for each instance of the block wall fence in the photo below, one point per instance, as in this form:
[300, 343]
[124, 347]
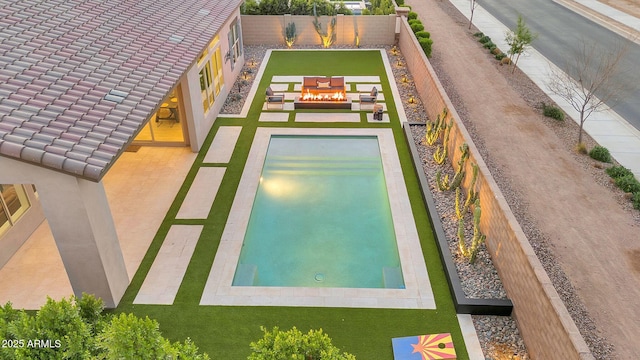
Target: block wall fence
[269, 29]
[544, 322]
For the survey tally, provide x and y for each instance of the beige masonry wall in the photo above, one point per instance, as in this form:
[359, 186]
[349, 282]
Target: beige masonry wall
[546, 326]
[269, 29]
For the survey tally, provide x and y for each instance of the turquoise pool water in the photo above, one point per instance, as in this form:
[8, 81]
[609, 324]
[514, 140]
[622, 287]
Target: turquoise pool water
[321, 217]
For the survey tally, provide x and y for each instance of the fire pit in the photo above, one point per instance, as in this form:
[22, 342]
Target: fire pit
[322, 93]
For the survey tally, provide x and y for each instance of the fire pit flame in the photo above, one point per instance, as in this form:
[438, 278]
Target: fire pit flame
[337, 96]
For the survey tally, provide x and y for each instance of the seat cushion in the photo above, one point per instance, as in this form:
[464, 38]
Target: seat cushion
[269, 91]
[366, 98]
[309, 81]
[337, 81]
[374, 92]
[276, 98]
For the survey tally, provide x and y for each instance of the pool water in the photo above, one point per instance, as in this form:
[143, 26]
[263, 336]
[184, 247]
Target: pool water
[321, 217]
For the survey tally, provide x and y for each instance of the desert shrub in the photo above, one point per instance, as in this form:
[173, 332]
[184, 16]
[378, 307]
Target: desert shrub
[581, 148]
[426, 43]
[500, 56]
[496, 51]
[484, 39]
[489, 45]
[553, 112]
[416, 27]
[412, 15]
[505, 61]
[618, 171]
[423, 34]
[479, 34]
[628, 183]
[600, 153]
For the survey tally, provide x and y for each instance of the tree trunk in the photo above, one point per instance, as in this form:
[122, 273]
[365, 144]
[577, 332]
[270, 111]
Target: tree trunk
[581, 125]
[513, 70]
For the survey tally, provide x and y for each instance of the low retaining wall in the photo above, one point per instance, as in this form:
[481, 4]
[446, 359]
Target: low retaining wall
[269, 29]
[544, 322]
[463, 304]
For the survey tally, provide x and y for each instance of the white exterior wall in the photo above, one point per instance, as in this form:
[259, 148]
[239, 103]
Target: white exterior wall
[199, 124]
[80, 220]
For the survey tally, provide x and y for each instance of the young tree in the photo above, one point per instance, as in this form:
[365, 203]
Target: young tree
[519, 40]
[472, 6]
[592, 77]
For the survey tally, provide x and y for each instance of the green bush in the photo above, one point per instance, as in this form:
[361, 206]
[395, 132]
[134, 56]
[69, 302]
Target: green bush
[479, 34]
[250, 7]
[489, 45]
[484, 39]
[553, 112]
[416, 27]
[412, 15]
[273, 7]
[77, 329]
[636, 200]
[618, 171]
[628, 184]
[426, 43]
[400, 2]
[423, 34]
[500, 56]
[293, 344]
[600, 153]
[414, 21]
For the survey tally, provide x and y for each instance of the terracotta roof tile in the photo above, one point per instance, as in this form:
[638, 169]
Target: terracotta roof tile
[59, 58]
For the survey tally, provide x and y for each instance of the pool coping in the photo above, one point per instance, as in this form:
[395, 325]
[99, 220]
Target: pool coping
[417, 294]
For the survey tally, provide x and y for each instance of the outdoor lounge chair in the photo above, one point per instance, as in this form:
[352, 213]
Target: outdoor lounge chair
[273, 98]
[369, 98]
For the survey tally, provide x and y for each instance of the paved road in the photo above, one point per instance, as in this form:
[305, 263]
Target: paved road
[560, 30]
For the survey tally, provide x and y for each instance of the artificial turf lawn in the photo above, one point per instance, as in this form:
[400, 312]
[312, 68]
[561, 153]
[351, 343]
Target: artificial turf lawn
[224, 332]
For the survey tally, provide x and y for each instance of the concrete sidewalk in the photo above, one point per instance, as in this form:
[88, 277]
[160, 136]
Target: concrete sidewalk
[606, 127]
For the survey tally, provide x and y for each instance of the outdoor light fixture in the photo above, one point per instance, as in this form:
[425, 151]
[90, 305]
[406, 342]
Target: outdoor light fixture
[411, 100]
[399, 63]
[253, 62]
[245, 75]
[394, 50]
[405, 79]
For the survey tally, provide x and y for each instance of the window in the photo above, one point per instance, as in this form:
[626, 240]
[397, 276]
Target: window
[218, 79]
[235, 42]
[211, 79]
[13, 203]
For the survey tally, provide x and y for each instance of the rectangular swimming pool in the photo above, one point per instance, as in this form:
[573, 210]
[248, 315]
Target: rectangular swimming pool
[321, 217]
[369, 215]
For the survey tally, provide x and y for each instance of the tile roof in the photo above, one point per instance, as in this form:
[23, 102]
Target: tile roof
[60, 61]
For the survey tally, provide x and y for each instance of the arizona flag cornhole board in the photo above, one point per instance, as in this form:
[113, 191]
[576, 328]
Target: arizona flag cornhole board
[424, 347]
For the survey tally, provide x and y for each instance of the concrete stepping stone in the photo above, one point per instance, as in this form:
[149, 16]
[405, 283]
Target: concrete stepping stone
[223, 144]
[167, 271]
[202, 193]
[327, 117]
[274, 117]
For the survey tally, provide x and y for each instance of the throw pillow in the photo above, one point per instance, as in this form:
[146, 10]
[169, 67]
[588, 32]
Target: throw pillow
[323, 85]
